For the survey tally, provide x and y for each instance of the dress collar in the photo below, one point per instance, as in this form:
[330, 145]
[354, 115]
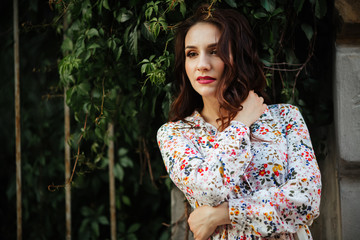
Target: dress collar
[266, 114]
[196, 117]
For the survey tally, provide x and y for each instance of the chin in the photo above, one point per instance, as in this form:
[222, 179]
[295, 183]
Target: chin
[207, 94]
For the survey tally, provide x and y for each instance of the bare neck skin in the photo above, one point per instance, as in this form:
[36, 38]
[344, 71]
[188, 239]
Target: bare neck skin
[211, 111]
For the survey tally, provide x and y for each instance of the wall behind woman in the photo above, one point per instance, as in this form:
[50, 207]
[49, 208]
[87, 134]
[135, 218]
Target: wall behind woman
[347, 114]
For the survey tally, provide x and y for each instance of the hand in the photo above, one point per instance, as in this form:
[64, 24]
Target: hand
[253, 107]
[204, 220]
[200, 223]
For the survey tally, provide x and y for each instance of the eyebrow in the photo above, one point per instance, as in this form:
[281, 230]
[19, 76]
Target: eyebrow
[209, 46]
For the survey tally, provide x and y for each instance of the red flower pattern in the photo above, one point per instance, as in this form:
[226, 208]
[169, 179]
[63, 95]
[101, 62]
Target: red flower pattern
[271, 175]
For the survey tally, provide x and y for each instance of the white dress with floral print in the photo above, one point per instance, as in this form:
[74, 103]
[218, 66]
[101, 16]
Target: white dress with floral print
[270, 178]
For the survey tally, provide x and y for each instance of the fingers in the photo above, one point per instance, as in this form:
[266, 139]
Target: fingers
[253, 107]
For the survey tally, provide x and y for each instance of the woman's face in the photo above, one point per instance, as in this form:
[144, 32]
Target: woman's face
[203, 66]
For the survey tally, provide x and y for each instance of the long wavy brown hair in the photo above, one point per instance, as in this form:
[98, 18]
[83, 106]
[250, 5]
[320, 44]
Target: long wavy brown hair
[243, 70]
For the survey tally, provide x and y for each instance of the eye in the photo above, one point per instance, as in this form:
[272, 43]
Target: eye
[213, 52]
[191, 54]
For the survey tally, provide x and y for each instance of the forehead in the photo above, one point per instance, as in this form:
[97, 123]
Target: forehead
[202, 33]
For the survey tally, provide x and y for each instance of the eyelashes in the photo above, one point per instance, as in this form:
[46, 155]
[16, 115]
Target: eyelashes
[192, 54]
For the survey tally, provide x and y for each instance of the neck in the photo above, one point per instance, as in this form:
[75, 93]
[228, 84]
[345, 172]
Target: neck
[211, 111]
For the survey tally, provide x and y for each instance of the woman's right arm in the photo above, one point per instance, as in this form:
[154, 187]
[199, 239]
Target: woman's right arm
[208, 178]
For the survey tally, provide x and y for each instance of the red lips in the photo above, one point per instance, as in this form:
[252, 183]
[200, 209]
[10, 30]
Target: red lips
[205, 79]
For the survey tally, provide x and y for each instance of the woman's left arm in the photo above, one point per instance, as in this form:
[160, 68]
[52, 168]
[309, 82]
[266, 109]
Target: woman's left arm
[295, 203]
[278, 209]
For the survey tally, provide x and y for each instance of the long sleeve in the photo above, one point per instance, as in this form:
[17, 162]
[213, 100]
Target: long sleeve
[206, 177]
[286, 207]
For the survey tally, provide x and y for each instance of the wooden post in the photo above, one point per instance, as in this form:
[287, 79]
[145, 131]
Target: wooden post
[17, 119]
[67, 169]
[111, 156]
[67, 156]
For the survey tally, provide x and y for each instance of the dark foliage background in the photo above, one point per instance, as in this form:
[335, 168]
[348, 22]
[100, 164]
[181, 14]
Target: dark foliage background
[115, 58]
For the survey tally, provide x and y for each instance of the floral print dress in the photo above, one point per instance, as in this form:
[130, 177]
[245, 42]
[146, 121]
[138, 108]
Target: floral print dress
[269, 177]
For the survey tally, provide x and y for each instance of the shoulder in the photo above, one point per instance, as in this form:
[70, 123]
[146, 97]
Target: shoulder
[190, 122]
[284, 111]
[173, 128]
[170, 126]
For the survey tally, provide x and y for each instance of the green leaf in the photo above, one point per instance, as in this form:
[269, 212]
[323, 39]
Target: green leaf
[122, 152]
[119, 172]
[126, 162]
[133, 41]
[101, 32]
[96, 93]
[308, 30]
[80, 45]
[118, 55]
[86, 211]
[145, 31]
[87, 55]
[183, 9]
[124, 15]
[260, 14]
[163, 23]
[69, 94]
[148, 12]
[301, 103]
[87, 107]
[156, 30]
[291, 56]
[111, 43]
[84, 88]
[144, 68]
[95, 228]
[94, 147]
[86, 10]
[320, 8]
[67, 45]
[106, 4]
[99, 158]
[99, 133]
[126, 200]
[92, 32]
[83, 225]
[103, 220]
[134, 227]
[156, 7]
[266, 62]
[268, 5]
[298, 5]
[231, 3]
[277, 11]
[94, 46]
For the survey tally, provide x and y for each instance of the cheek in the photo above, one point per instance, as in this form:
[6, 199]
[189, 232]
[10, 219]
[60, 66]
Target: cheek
[220, 67]
[187, 68]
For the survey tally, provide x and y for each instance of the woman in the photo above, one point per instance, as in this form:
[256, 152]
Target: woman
[247, 169]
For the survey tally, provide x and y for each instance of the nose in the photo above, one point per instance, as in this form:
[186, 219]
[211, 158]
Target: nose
[203, 63]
